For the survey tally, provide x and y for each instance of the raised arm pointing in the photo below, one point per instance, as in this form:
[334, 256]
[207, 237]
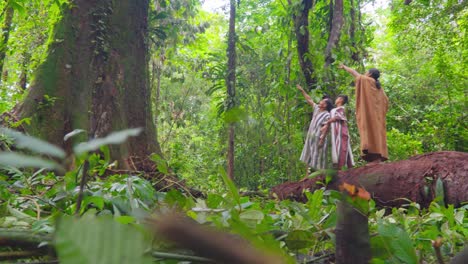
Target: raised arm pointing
[348, 69]
[307, 97]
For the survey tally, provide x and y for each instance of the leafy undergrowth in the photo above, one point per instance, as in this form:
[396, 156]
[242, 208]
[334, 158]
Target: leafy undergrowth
[107, 222]
[114, 209]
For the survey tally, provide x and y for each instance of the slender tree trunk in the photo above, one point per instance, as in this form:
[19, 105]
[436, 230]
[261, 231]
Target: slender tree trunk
[23, 79]
[301, 28]
[335, 31]
[352, 30]
[6, 27]
[95, 77]
[231, 85]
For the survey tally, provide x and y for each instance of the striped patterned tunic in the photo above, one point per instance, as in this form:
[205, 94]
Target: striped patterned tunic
[340, 145]
[313, 155]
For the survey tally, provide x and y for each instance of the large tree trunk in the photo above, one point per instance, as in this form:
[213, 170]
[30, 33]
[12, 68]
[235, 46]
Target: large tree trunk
[95, 77]
[301, 29]
[414, 179]
[231, 86]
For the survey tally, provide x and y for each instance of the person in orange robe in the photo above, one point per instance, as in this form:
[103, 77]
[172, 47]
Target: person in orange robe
[371, 110]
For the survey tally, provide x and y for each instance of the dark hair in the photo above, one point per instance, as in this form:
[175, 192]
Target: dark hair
[345, 98]
[375, 74]
[329, 104]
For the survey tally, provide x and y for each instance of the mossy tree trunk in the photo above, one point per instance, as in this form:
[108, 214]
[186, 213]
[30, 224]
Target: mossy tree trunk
[231, 86]
[95, 77]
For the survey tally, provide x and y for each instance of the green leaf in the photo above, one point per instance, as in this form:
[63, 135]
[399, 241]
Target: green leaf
[439, 192]
[17, 7]
[161, 163]
[99, 240]
[20, 215]
[234, 115]
[96, 200]
[233, 193]
[113, 138]
[252, 217]
[299, 239]
[397, 242]
[23, 161]
[33, 144]
[125, 219]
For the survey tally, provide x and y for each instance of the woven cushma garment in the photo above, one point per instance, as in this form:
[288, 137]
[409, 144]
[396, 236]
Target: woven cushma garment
[313, 155]
[371, 109]
[341, 144]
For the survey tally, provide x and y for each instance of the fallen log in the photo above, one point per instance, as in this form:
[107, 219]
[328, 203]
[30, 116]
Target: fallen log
[395, 183]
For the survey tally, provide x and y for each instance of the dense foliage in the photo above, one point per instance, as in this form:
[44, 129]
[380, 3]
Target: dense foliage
[420, 48]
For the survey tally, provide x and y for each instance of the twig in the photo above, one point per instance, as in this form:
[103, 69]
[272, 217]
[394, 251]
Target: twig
[38, 209]
[82, 186]
[436, 244]
[165, 255]
[320, 258]
[21, 254]
[133, 164]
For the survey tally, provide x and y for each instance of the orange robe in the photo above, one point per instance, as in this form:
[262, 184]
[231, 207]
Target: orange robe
[371, 109]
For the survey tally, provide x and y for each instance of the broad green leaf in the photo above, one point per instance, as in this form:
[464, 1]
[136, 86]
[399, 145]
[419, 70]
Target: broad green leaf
[113, 138]
[30, 143]
[23, 161]
[99, 240]
[398, 242]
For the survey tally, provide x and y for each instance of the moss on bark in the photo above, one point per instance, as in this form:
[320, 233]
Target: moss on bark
[95, 77]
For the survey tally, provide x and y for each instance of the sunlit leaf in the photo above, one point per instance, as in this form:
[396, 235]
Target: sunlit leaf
[113, 138]
[73, 133]
[31, 143]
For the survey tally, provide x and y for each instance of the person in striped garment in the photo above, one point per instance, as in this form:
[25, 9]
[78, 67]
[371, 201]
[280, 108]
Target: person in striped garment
[314, 153]
[341, 145]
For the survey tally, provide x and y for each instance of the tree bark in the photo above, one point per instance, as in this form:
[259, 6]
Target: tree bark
[95, 77]
[231, 85]
[352, 235]
[414, 179]
[5, 34]
[335, 31]
[301, 29]
[355, 28]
